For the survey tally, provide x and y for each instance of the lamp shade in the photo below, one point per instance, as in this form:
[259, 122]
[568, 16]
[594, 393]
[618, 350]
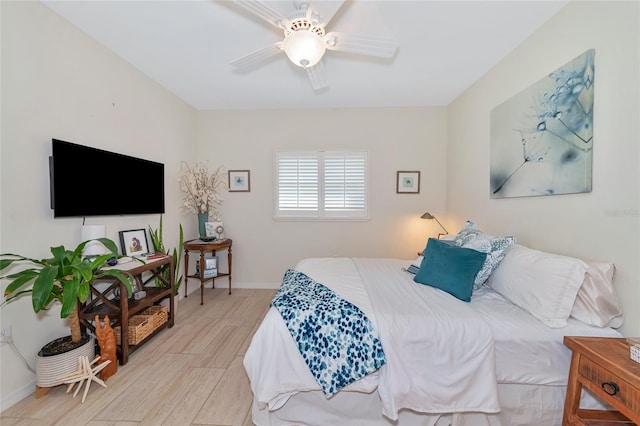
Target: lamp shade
[92, 232]
[304, 48]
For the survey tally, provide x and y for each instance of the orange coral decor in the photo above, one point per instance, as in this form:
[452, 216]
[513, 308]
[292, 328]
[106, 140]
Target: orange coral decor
[107, 343]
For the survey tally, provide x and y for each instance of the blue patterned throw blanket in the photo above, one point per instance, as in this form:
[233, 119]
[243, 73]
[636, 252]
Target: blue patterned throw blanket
[334, 336]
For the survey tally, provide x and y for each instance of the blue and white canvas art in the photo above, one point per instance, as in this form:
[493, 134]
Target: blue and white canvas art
[542, 138]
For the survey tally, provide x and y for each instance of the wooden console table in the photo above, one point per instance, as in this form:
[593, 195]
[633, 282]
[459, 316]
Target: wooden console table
[603, 366]
[202, 247]
[105, 298]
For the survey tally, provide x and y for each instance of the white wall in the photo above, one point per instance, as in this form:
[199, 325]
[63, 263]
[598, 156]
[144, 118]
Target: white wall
[603, 224]
[58, 83]
[396, 139]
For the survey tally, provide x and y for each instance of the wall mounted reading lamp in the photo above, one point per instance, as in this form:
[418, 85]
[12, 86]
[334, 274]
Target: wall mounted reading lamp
[429, 216]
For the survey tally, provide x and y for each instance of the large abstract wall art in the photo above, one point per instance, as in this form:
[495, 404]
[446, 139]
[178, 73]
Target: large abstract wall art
[542, 138]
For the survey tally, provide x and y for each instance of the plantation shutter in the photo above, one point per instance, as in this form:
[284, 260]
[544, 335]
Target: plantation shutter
[344, 184]
[297, 185]
[321, 185]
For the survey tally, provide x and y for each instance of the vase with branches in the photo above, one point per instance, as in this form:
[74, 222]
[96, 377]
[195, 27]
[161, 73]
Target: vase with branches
[202, 191]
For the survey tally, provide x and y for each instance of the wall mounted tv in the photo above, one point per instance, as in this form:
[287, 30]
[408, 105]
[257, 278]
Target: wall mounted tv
[88, 181]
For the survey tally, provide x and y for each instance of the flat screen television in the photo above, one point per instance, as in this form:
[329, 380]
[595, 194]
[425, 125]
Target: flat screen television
[88, 181]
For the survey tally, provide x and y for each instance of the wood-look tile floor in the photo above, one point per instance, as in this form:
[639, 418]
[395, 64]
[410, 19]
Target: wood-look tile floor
[190, 374]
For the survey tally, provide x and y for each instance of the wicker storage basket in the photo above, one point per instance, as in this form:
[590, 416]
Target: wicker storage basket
[159, 315]
[143, 324]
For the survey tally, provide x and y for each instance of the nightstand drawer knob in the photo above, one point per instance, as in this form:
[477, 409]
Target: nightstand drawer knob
[610, 387]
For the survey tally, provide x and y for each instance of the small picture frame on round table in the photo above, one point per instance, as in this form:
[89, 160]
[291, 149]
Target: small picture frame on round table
[214, 230]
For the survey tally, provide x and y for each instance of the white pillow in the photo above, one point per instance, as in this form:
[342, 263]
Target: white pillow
[597, 302]
[544, 284]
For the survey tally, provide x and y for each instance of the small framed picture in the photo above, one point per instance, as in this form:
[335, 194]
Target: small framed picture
[408, 182]
[214, 230]
[239, 181]
[134, 242]
[209, 229]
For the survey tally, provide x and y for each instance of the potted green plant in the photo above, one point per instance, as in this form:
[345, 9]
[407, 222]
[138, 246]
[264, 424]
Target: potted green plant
[158, 246]
[65, 278]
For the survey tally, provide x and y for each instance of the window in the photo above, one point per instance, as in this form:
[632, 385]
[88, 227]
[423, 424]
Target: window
[321, 185]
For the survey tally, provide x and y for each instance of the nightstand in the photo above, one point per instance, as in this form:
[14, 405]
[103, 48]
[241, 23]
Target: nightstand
[203, 247]
[603, 366]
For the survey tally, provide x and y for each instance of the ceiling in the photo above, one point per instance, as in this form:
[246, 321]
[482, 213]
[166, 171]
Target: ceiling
[186, 46]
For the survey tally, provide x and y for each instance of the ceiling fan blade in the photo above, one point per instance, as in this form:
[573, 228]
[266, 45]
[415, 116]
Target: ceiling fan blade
[265, 12]
[320, 12]
[254, 58]
[363, 44]
[317, 76]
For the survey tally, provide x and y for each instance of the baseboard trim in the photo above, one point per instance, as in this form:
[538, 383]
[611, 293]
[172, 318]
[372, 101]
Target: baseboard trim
[17, 396]
[223, 284]
[256, 285]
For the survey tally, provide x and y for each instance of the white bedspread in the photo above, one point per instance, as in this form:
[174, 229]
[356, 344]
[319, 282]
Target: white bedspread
[527, 351]
[440, 355]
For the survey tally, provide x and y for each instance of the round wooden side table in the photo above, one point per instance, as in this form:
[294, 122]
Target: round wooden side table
[204, 247]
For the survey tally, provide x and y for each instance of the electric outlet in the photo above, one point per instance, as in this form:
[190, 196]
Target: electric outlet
[5, 334]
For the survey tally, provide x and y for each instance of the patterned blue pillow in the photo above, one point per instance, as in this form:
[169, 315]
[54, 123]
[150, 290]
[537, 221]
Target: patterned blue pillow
[450, 268]
[495, 247]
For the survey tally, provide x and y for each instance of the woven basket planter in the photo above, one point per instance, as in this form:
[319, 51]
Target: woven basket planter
[49, 368]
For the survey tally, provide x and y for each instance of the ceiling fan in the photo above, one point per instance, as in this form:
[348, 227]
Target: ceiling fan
[305, 40]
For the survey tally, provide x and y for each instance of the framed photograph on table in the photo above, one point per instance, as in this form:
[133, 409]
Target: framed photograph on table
[134, 242]
[214, 230]
[239, 181]
[408, 182]
[209, 230]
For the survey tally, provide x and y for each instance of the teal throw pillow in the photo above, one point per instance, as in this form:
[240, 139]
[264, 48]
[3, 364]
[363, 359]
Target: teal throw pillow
[450, 268]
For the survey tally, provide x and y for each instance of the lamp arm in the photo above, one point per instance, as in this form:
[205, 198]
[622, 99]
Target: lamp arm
[445, 229]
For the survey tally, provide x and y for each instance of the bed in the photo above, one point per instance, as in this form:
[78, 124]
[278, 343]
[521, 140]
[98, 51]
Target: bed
[487, 361]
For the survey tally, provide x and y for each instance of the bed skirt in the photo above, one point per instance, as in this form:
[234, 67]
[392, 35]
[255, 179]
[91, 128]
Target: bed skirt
[522, 405]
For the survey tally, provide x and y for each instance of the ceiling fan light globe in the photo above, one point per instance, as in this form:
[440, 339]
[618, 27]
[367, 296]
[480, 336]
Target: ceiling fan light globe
[304, 48]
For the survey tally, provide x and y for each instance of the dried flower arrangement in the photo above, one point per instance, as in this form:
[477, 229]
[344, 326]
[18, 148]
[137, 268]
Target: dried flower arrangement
[202, 191]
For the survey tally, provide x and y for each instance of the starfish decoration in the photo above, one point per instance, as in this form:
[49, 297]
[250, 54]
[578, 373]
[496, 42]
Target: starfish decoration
[85, 372]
